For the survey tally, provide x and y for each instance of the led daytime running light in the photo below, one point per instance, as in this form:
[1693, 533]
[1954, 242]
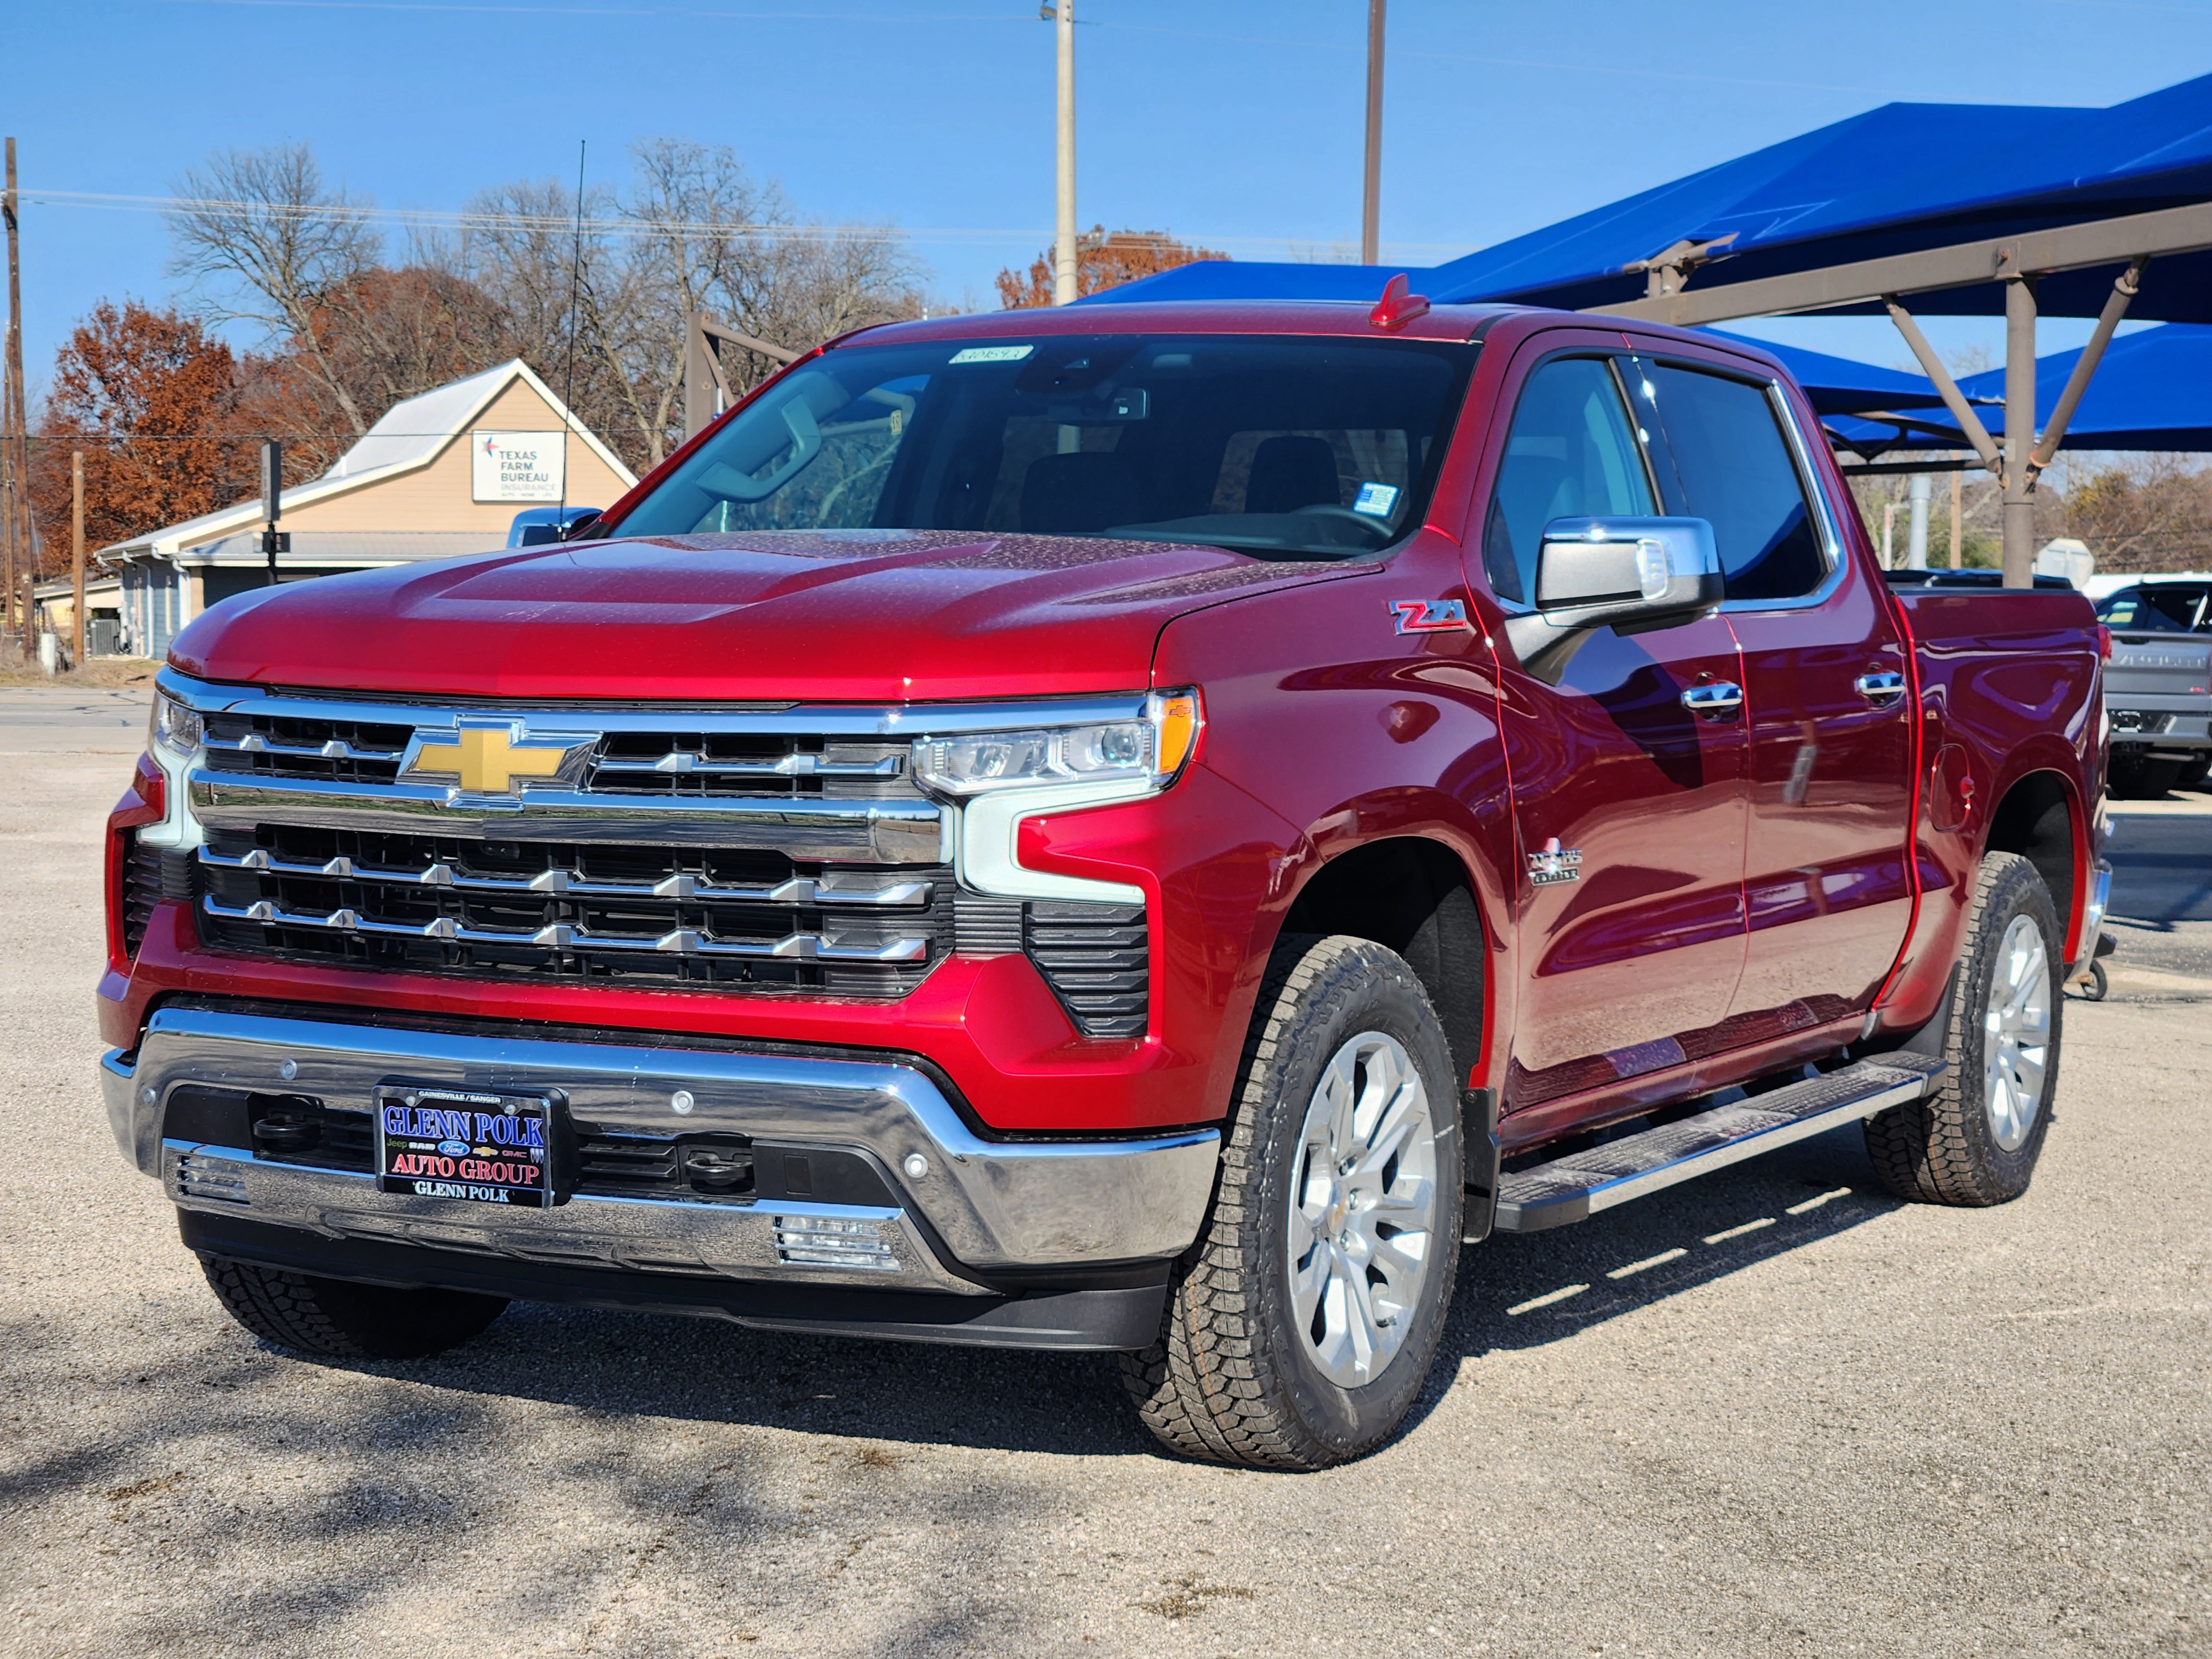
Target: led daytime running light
[1151, 748]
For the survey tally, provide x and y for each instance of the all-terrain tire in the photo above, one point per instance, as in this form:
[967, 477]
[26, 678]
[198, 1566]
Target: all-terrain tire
[2141, 778]
[1944, 1149]
[340, 1319]
[1230, 1378]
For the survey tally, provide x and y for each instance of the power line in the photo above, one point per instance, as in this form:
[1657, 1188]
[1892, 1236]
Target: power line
[490, 219]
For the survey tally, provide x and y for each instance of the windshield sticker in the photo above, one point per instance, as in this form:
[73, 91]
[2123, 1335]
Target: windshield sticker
[1375, 500]
[991, 353]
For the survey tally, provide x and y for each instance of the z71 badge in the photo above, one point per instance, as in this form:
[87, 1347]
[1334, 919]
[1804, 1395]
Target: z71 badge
[1429, 616]
[1554, 865]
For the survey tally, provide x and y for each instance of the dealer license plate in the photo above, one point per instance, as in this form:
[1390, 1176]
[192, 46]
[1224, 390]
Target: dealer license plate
[465, 1143]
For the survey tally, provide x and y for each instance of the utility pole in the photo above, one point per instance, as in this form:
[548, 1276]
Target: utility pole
[1063, 247]
[1371, 212]
[7, 504]
[19, 452]
[77, 557]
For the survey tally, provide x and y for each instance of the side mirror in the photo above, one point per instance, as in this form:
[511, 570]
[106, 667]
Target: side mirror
[1629, 574]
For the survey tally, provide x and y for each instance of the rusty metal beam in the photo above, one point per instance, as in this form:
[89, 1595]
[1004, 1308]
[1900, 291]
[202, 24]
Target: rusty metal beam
[2065, 247]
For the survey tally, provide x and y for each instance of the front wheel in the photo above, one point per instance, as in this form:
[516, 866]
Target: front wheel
[1306, 1318]
[1976, 1138]
[340, 1319]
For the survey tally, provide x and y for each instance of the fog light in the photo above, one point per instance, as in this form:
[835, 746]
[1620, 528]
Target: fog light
[832, 1242]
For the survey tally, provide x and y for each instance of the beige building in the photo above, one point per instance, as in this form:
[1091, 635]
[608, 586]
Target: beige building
[442, 474]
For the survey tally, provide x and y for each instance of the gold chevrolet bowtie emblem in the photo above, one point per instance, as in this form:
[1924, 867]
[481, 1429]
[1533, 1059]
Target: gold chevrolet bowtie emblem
[488, 760]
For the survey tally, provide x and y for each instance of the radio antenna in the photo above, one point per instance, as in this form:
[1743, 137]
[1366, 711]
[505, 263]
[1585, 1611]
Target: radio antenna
[568, 381]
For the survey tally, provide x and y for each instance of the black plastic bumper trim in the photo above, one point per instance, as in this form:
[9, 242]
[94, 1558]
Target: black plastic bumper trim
[1108, 1319]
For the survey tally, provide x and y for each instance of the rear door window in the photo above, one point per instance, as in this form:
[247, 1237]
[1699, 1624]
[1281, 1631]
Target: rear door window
[1726, 439]
[2156, 611]
[1570, 453]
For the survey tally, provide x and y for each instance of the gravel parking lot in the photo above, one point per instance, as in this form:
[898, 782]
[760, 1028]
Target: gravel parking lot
[1771, 1413]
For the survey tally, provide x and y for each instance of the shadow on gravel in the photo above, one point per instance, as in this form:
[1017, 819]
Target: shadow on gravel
[702, 1371]
[706, 1371]
[251, 1499]
[1524, 1290]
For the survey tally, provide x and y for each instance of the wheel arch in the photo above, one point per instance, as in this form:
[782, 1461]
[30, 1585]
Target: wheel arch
[1417, 895]
[2040, 817]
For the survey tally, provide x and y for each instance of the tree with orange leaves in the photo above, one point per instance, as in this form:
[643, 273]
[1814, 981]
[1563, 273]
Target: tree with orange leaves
[151, 399]
[1102, 260]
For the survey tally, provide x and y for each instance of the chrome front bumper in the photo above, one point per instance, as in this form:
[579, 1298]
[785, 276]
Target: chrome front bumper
[976, 1207]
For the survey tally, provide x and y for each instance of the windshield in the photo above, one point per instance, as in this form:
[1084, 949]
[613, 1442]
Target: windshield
[2156, 611]
[1298, 446]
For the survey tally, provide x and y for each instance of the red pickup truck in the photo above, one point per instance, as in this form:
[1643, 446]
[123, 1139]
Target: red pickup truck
[1136, 829]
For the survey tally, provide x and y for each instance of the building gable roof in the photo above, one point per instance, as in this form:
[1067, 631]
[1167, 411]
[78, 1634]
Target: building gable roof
[409, 435]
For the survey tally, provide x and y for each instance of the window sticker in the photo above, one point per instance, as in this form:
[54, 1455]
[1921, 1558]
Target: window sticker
[1012, 354]
[1375, 500]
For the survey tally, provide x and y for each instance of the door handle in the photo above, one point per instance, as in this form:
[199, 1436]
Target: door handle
[1882, 689]
[1715, 699]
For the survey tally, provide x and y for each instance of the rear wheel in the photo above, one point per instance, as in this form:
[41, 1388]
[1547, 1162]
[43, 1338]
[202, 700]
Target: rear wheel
[1976, 1138]
[1301, 1328]
[2193, 773]
[341, 1320]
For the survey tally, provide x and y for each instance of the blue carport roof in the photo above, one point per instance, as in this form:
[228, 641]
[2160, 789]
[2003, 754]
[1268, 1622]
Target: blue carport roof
[1843, 386]
[1897, 179]
[2152, 390]
[1836, 386]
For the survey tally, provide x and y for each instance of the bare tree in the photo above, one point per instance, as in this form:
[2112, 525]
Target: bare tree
[695, 232]
[266, 240]
[275, 244]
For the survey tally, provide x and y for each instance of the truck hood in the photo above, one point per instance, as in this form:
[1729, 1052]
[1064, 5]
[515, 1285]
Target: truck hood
[862, 615]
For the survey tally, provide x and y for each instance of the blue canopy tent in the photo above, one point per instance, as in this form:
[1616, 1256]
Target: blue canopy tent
[2153, 390]
[1970, 209]
[1843, 386]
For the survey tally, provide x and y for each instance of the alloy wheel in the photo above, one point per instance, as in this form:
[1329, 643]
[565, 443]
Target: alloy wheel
[1362, 1225]
[2018, 1026]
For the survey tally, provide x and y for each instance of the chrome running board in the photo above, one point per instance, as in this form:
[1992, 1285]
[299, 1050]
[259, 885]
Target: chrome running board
[1579, 1184]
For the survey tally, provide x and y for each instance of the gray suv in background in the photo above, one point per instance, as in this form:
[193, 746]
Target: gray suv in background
[2158, 686]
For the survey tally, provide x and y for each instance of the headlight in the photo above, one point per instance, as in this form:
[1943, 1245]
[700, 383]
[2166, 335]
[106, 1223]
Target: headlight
[175, 728]
[1151, 748]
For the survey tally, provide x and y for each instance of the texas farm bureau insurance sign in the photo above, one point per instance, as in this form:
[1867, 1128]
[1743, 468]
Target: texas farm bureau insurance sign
[515, 467]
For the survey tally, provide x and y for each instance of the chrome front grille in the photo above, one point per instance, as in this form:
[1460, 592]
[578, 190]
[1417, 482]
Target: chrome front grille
[306, 746]
[753, 847]
[652, 915]
[670, 762]
[712, 763]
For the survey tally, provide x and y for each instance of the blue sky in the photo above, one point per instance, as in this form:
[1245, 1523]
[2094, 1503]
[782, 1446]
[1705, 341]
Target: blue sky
[1238, 125]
